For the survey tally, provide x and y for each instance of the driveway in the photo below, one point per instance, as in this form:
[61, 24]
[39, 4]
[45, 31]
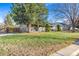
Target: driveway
[71, 50]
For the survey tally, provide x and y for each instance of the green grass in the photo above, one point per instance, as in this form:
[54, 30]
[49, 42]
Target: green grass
[34, 42]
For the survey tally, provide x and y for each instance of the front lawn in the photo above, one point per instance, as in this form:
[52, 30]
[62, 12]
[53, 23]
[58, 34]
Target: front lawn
[43, 43]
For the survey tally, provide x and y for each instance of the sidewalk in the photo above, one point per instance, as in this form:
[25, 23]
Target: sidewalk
[71, 50]
[7, 34]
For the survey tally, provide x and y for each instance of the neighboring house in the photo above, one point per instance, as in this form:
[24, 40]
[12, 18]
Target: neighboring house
[63, 26]
[19, 28]
[24, 28]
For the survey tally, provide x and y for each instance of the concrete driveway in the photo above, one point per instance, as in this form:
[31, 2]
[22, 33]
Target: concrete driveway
[71, 50]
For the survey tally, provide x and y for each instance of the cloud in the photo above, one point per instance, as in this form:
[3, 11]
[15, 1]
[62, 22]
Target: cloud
[1, 20]
[59, 21]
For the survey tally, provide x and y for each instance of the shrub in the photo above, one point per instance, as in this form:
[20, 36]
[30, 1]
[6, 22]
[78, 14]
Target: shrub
[47, 28]
[9, 29]
[58, 28]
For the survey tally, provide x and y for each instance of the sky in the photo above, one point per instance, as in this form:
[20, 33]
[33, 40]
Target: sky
[5, 8]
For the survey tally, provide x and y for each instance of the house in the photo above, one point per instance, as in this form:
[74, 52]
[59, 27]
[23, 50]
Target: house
[63, 26]
[24, 28]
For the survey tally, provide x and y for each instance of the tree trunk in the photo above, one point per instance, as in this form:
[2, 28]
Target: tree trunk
[73, 26]
[37, 27]
[29, 28]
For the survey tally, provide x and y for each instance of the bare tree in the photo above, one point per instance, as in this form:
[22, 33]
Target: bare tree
[77, 22]
[71, 12]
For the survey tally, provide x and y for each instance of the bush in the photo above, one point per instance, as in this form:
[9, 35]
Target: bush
[47, 28]
[58, 28]
[9, 29]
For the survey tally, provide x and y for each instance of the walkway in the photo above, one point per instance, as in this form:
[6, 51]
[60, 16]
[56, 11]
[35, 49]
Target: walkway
[71, 50]
[7, 34]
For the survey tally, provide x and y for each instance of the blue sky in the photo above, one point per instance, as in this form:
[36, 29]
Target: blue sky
[52, 15]
[4, 10]
[6, 7]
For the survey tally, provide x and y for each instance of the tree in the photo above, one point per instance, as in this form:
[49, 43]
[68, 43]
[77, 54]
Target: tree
[47, 27]
[28, 13]
[77, 22]
[8, 22]
[42, 16]
[71, 12]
